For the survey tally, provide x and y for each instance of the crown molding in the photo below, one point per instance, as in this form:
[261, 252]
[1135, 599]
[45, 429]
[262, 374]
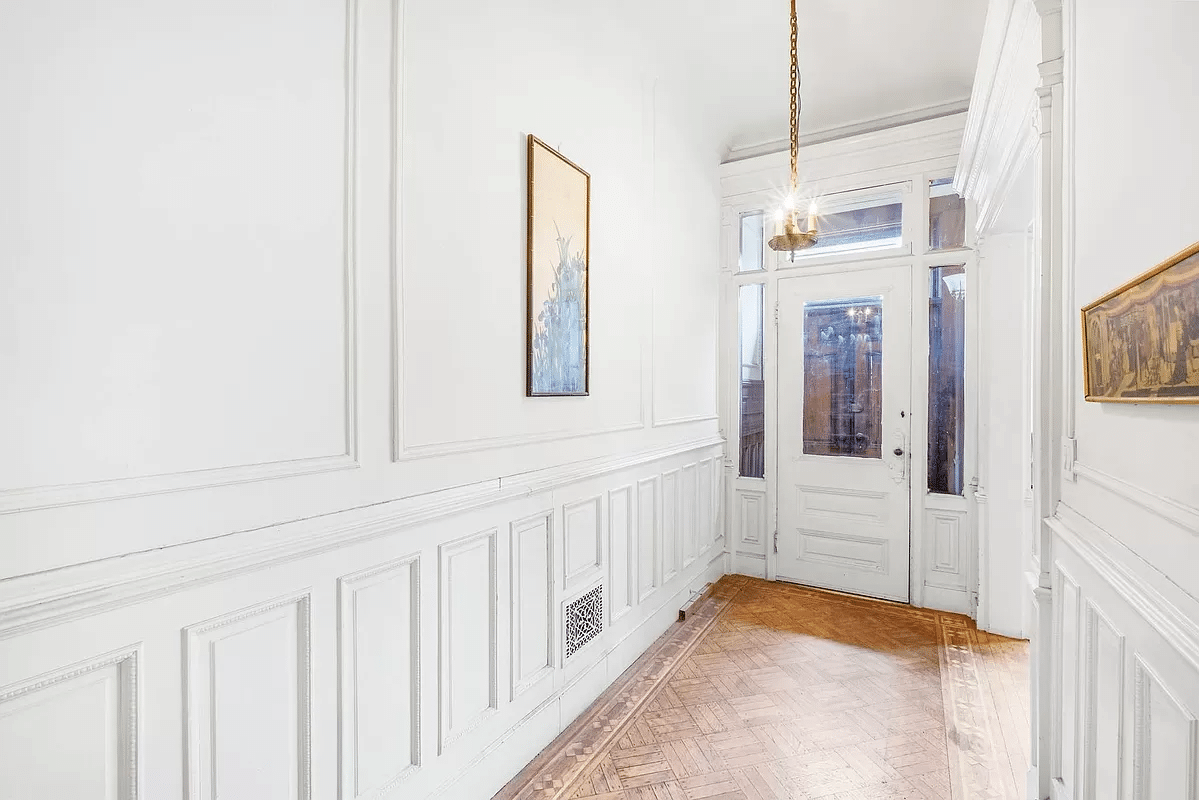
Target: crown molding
[1000, 130]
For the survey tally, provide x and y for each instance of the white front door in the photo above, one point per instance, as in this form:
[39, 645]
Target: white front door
[844, 422]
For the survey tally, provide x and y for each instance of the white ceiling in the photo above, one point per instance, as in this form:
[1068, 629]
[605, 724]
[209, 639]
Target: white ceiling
[861, 60]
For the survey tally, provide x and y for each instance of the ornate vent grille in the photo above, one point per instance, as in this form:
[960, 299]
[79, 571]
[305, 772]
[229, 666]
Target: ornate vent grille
[584, 619]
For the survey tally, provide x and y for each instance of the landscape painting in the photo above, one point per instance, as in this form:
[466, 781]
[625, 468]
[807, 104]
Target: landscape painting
[1141, 342]
[559, 199]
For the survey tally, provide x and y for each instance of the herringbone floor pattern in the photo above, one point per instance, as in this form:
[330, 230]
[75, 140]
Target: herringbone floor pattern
[785, 693]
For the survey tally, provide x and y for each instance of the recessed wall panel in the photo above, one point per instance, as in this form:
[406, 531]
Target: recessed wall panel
[621, 559]
[670, 525]
[248, 704]
[689, 505]
[87, 713]
[706, 503]
[648, 535]
[1105, 707]
[531, 597]
[467, 620]
[1166, 741]
[205, 270]
[379, 629]
[584, 543]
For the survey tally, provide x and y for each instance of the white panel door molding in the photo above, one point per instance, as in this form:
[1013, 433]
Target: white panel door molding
[844, 428]
[248, 688]
[532, 593]
[70, 492]
[467, 623]
[380, 678]
[751, 522]
[89, 709]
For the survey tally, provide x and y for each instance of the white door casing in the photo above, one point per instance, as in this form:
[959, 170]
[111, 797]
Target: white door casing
[843, 503]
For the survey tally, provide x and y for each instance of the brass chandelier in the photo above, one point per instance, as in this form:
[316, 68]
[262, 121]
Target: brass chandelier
[792, 235]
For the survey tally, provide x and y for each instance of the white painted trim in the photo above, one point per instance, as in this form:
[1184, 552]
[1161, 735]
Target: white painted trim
[450, 730]
[54, 496]
[712, 571]
[812, 138]
[125, 660]
[1180, 514]
[41, 600]
[1174, 626]
[200, 700]
[347, 685]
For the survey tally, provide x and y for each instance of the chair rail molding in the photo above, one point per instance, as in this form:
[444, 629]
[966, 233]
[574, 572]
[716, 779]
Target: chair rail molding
[42, 600]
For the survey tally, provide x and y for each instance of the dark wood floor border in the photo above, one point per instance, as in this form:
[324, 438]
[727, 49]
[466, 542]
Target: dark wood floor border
[557, 769]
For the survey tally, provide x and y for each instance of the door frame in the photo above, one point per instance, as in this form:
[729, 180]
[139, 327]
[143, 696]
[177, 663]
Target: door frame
[915, 371]
[942, 528]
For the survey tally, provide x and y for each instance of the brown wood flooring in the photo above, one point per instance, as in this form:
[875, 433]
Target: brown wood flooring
[775, 691]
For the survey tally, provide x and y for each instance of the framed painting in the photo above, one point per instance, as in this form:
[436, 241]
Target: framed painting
[559, 251]
[1141, 341]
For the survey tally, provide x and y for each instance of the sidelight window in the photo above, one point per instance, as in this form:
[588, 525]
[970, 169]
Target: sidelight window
[752, 462]
[946, 379]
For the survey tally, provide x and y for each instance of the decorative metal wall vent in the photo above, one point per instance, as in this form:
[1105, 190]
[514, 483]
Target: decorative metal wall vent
[584, 619]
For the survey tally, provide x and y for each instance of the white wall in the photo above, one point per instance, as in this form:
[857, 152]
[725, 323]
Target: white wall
[1125, 579]
[263, 265]
[1106, 120]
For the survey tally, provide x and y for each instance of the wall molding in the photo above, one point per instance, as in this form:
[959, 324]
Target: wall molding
[348, 699]
[41, 600]
[520, 680]
[451, 730]
[1144, 683]
[1175, 627]
[37, 498]
[200, 699]
[618, 607]
[772, 145]
[125, 661]
[1180, 514]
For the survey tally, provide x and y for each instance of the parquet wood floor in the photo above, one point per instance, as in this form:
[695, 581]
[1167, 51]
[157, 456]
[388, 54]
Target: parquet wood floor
[776, 692]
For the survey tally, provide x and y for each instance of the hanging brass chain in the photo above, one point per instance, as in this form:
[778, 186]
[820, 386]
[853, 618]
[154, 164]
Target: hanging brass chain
[794, 101]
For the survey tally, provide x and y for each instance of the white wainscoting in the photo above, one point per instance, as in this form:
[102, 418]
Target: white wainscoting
[414, 651]
[1125, 652]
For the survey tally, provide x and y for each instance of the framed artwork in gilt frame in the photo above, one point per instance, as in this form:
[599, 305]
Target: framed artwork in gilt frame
[559, 252]
[1141, 341]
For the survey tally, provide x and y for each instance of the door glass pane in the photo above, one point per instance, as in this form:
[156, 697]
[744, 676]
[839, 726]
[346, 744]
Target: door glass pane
[753, 395]
[843, 377]
[946, 379]
[946, 216]
[753, 241]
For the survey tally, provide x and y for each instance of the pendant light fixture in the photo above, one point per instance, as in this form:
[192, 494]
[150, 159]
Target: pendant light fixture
[792, 235]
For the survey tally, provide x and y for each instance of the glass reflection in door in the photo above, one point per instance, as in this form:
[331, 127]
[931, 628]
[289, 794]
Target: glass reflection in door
[843, 377]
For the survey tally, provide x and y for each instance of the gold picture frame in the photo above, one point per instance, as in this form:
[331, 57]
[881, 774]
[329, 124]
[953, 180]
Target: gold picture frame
[558, 262]
[1140, 342]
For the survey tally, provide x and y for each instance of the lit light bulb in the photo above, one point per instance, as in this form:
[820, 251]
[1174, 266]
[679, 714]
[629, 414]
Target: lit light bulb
[812, 208]
[779, 215]
[789, 202]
